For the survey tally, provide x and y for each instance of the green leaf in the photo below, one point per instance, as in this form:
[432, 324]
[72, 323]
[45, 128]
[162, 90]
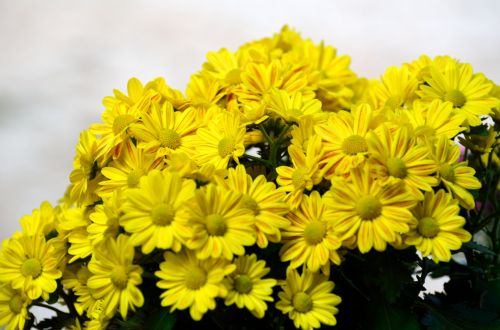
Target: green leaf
[162, 320]
[388, 317]
[479, 247]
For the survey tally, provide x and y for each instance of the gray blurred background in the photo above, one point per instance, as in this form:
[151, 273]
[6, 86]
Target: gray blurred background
[58, 59]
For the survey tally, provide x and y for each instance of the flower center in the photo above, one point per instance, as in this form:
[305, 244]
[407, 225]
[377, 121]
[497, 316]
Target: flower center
[302, 302]
[397, 167]
[121, 122]
[243, 283]
[354, 144]
[428, 227]
[456, 97]
[134, 177]
[16, 304]
[162, 214]
[216, 226]
[299, 178]
[83, 274]
[226, 147]
[446, 171]
[31, 267]
[314, 232]
[368, 207]
[119, 277]
[196, 278]
[169, 138]
[250, 203]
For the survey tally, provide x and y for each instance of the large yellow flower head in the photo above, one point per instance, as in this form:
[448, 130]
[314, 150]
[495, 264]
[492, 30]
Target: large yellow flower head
[13, 308]
[29, 264]
[153, 214]
[192, 283]
[307, 299]
[245, 285]
[311, 239]
[438, 227]
[221, 225]
[375, 214]
[115, 278]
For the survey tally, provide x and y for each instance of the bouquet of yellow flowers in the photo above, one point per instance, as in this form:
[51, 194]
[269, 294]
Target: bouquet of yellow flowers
[279, 191]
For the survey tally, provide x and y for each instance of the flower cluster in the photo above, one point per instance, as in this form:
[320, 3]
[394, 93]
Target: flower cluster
[276, 160]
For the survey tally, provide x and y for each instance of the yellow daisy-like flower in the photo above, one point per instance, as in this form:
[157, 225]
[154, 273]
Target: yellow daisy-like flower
[396, 156]
[246, 288]
[221, 141]
[192, 283]
[374, 213]
[396, 89]
[164, 130]
[105, 219]
[73, 226]
[305, 172]
[292, 107]
[153, 213]
[433, 120]
[311, 239]
[13, 308]
[29, 264]
[468, 92]
[126, 172]
[41, 221]
[263, 200]
[344, 140]
[307, 299]
[438, 226]
[456, 176]
[221, 225]
[115, 278]
[223, 65]
[203, 91]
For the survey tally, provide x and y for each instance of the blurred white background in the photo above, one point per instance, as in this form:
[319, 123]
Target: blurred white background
[58, 59]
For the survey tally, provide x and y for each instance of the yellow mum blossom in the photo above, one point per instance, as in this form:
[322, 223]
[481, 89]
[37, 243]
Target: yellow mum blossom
[396, 89]
[438, 226]
[395, 156]
[192, 283]
[263, 199]
[40, 222]
[221, 141]
[223, 65]
[456, 176]
[29, 264]
[468, 92]
[13, 308]
[375, 214]
[292, 107]
[307, 299]
[106, 219]
[115, 278]
[245, 285]
[204, 91]
[154, 213]
[138, 95]
[311, 239]
[221, 225]
[73, 226]
[344, 140]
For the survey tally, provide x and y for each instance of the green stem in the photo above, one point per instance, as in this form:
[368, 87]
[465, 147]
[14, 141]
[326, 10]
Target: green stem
[257, 159]
[71, 307]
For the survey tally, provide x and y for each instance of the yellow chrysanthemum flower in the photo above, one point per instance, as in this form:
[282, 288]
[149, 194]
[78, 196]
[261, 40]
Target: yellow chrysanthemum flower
[204, 91]
[307, 299]
[192, 283]
[13, 308]
[164, 130]
[221, 141]
[221, 225]
[29, 264]
[438, 226]
[433, 120]
[73, 226]
[375, 214]
[293, 107]
[344, 140]
[245, 285]
[153, 213]
[311, 239]
[395, 156]
[40, 222]
[456, 176]
[396, 88]
[106, 219]
[468, 92]
[223, 65]
[263, 199]
[115, 278]
[126, 171]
